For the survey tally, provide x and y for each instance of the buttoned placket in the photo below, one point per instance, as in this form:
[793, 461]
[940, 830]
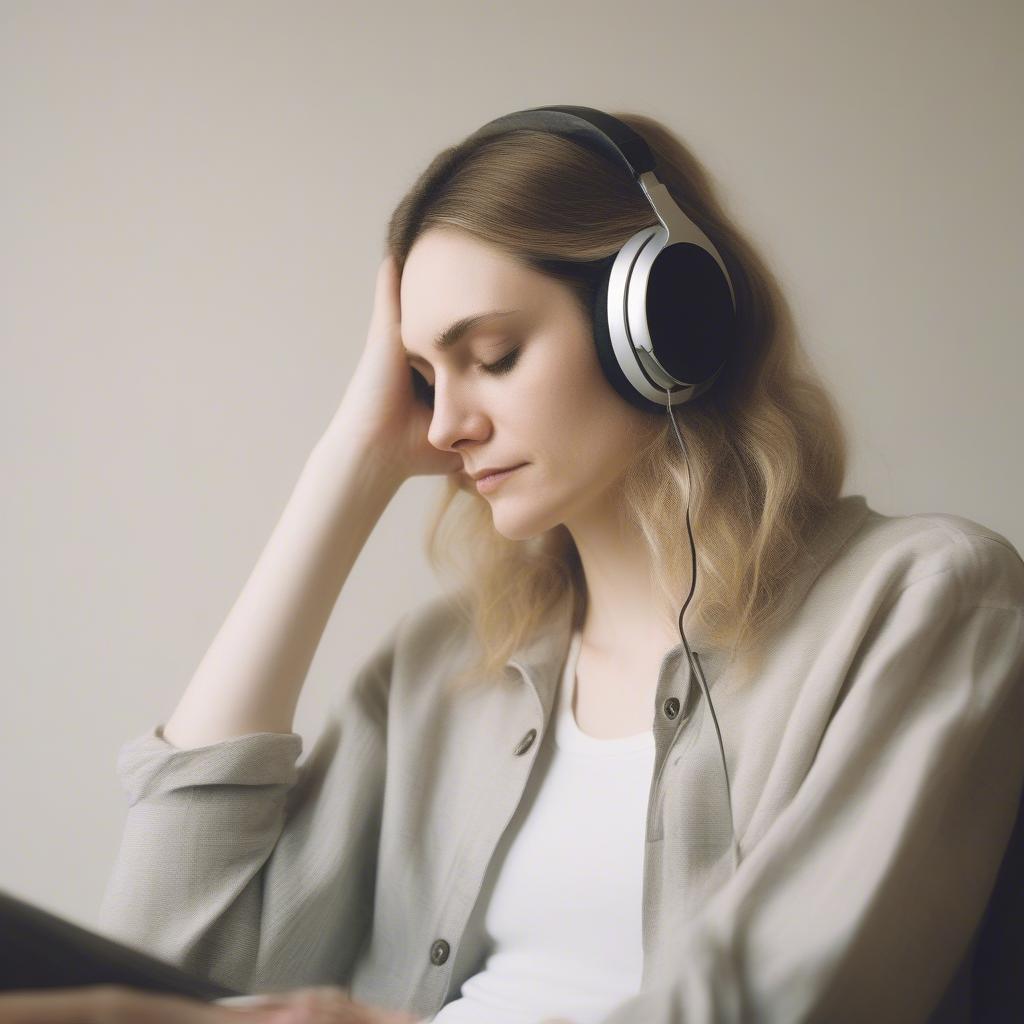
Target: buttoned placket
[673, 707]
[673, 703]
[433, 983]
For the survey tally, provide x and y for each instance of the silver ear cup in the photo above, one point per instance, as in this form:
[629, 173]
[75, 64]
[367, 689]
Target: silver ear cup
[627, 319]
[628, 327]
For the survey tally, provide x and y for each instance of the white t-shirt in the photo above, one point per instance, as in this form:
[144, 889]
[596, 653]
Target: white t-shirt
[560, 908]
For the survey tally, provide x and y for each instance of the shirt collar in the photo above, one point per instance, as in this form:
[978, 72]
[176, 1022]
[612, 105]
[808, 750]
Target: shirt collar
[541, 657]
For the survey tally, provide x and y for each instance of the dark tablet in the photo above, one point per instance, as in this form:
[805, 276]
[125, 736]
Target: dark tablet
[41, 950]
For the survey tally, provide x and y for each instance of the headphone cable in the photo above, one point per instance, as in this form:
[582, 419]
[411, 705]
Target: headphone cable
[694, 659]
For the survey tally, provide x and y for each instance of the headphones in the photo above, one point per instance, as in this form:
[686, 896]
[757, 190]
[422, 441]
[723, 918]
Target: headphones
[664, 312]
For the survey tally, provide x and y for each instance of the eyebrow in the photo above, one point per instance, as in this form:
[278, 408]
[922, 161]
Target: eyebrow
[455, 332]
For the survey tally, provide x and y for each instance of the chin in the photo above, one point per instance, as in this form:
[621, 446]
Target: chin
[521, 537]
[519, 527]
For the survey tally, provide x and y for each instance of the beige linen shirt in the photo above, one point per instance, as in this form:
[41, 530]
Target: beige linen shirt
[876, 767]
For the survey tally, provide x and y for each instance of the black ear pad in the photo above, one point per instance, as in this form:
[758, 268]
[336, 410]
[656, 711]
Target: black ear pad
[606, 354]
[690, 317]
[689, 313]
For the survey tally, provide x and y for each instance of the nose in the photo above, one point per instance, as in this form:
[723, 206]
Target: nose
[456, 418]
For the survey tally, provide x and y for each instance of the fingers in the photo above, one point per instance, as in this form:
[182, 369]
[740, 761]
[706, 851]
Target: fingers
[114, 1004]
[316, 1004]
[328, 1004]
[43, 1007]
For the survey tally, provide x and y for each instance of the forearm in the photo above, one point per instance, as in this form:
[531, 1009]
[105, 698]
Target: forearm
[252, 675]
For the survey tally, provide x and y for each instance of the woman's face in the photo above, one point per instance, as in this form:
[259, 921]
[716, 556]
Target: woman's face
[550, 408]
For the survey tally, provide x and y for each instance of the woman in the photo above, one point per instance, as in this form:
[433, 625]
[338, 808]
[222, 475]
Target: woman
[534, 801]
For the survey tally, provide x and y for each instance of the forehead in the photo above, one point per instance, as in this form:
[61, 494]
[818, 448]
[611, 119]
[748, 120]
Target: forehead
[449, 275]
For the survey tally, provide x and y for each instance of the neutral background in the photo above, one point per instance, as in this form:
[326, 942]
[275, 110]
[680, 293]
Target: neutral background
[192, 210]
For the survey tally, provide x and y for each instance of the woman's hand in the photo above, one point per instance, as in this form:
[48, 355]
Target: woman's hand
[117, 1004]
[380, 409]
[322, 1004]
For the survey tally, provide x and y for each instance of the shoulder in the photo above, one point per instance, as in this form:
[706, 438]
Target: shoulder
[890, 553]
[904, 599]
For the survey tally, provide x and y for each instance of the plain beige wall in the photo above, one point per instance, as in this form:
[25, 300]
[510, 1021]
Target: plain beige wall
[193, 205]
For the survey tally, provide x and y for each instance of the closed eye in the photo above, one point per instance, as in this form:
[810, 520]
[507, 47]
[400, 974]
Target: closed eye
[502, 366]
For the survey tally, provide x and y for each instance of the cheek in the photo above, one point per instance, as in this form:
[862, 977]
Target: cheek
[563, 402]
[561, 409]
[600, 443]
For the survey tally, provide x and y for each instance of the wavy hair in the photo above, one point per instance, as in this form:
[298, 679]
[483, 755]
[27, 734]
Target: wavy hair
[767, 448]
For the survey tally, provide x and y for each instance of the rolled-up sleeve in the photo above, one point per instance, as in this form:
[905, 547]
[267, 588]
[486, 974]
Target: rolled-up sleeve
[229, 866]
[863, 897]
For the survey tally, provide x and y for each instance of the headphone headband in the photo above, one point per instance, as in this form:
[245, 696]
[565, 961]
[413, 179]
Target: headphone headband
[595, 129]
[665, 309]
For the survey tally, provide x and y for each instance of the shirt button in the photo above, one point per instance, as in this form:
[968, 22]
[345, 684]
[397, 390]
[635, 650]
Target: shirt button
[671, 707]
[525, 743]
[439, 952]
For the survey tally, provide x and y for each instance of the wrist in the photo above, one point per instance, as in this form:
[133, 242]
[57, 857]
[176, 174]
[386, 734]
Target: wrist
[345, 444]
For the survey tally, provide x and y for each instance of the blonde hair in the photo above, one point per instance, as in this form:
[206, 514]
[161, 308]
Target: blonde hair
[767, 448]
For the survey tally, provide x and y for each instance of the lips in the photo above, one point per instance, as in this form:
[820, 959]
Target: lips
[491, 471]
[488, 483]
